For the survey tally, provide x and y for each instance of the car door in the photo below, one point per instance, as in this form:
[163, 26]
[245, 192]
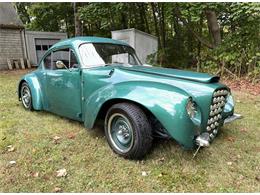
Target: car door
[63, 84]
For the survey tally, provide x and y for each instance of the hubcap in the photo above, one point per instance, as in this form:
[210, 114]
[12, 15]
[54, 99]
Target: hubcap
[26, 96]
[120, 132]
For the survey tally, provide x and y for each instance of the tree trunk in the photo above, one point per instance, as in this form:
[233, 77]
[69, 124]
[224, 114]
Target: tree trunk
[189, 37]
[141, 16]
[162, 26]
[124, 21]
[77, 21]
[190, 28]
[144, 6]
[213, 26]
[156, 25]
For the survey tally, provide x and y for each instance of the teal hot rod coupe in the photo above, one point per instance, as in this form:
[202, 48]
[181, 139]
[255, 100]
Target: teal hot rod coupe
[90, 78]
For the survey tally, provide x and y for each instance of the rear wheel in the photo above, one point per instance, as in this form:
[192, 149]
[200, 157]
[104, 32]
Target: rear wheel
[26, 96]
[128, 130]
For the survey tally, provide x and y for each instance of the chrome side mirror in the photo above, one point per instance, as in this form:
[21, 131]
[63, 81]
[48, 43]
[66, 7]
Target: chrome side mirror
[60, 64]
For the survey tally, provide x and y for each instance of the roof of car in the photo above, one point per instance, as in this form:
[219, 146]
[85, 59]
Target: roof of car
[76, 41]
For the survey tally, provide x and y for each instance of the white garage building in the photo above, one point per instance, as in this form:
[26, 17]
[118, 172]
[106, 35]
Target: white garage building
[144, 43]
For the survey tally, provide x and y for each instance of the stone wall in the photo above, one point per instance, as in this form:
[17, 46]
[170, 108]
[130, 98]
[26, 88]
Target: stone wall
[11, 46]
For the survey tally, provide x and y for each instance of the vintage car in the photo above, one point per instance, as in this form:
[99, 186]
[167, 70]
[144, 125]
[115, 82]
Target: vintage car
[91, 78]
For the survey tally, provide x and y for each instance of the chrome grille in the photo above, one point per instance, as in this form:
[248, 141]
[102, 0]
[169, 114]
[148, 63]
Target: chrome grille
[216, 108]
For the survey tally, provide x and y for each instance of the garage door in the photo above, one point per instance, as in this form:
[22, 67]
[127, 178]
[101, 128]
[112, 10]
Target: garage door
[42, 45]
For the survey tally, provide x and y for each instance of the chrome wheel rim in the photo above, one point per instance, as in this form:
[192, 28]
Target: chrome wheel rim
[26, 96]
[120, 132]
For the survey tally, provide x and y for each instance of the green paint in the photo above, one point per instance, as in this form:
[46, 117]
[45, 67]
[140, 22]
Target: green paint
[80, 93]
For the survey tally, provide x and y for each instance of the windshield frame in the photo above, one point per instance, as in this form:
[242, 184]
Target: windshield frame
[102, 65]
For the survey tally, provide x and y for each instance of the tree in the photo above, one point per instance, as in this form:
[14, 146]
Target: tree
[77, 22]
[213, 36]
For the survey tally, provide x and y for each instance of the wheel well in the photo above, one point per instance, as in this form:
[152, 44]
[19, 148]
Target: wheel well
[19, 88]
[158, 129]
[104, 108]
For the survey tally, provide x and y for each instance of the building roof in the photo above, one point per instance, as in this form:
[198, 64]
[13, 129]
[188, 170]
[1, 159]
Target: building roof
[8, 17]
[76, 41]
[136, 31]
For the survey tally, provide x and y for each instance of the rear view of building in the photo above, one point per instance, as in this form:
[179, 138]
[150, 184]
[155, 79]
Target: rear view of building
[145, 44]
[11, 35]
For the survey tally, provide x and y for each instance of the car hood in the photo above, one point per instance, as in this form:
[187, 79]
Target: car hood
[173, 73]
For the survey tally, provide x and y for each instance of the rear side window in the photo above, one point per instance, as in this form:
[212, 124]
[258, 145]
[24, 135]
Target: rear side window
[47, 62]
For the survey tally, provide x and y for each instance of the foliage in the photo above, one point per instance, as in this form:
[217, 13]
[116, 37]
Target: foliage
[214, 37]
[47, 16]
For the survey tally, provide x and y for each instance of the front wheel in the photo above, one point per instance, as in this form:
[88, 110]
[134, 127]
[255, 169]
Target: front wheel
[128, 130]
[26, 96]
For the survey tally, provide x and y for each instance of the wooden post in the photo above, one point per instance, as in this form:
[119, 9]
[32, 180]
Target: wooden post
[16, 63]
[9, 64]
[22, 63]
[28, 64]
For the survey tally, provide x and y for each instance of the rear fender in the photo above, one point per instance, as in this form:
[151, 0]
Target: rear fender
[35, 89]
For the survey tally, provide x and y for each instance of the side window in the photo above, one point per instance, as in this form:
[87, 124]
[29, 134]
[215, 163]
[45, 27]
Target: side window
[62, 56]
[47, 62]
[73, 60]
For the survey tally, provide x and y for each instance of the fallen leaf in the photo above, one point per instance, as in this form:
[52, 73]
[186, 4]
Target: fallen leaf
[241, 177]
[57, 189]
[46, 177]
[36, 174]
[243, 130]
[231, 139]
[61, 173]
[56, 139]
[12, 162]
[71, 135]
[229, 163]
[10, 148]
[144, 173]
[160, 175]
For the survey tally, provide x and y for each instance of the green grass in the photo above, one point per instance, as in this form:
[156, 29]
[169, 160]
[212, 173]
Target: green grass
[93, 167]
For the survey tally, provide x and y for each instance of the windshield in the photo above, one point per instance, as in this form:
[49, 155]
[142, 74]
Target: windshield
[102, 54]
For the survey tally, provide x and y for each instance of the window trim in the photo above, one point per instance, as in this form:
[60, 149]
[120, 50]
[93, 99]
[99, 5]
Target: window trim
[50, 51]
[93, 67]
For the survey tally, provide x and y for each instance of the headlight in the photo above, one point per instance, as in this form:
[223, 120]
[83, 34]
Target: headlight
[191, 108]
[193, 111]
[230, 103]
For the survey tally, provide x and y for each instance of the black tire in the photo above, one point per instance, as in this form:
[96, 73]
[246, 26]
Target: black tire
[28, 103]
[141, 137]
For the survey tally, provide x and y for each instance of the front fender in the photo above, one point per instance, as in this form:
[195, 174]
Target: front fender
[35, 88]
[167, 103]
